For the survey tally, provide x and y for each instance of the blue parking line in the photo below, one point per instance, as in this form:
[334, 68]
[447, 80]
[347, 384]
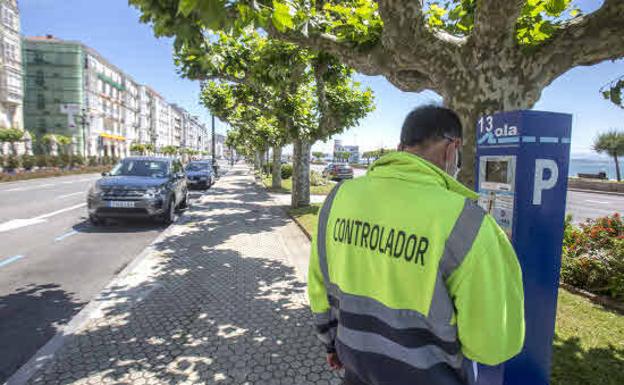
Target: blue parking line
[549, 139]
[10, 260]
[528, 139]
[513, 139]
[565, 140]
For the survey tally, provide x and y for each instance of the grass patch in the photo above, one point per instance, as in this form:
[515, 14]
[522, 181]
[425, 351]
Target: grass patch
[589, 340]
[287, 186]
[307, 216]
[589, 343]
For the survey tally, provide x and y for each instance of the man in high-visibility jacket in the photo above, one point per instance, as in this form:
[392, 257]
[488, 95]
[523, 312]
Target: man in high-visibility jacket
[410, 281]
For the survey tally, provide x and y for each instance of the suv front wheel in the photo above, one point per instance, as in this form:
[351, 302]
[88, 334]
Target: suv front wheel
[169, 216]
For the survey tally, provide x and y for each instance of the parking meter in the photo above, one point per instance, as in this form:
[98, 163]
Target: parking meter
[522, 180]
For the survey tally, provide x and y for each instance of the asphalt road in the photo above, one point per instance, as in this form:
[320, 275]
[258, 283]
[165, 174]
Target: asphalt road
[53, 262]
[582, 205]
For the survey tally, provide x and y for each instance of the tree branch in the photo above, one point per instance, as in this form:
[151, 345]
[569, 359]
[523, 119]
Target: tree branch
[585, 41]
[367, 62]
[495, 22]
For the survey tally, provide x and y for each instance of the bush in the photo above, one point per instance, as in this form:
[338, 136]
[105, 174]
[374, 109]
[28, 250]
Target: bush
[43, 161]
[28, 162]
[65, 160]
[93, 161]
[593, 256]
[13, 162]
[316, 179]
[106, 161]
[56, 161]
[77, 161]
[287, 171]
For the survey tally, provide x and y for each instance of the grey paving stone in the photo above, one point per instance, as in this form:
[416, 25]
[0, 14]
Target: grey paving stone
[223, 306]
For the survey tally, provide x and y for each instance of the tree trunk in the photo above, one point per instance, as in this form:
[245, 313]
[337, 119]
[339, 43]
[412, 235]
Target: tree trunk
[277, 167]
[257, 161]
[618, 175]
[301, 174]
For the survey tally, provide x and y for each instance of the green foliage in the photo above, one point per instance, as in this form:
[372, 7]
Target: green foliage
[593, 255]
[287, 171]
[170, 150]
[138, 147]
[318, 155]
[11, 135]
[342, 156]
[613, 92]
[12, 162]
[77, 161]
[611, 143]
[538, 21]
[317, 179]
[92, 161]
[29, 161]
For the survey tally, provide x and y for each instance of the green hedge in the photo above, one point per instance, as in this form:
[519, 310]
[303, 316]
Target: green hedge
[593, 256]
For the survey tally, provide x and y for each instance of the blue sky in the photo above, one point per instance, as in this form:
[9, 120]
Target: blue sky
[112, 28]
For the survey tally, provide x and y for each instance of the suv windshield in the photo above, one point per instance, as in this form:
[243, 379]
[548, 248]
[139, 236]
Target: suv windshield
[134, 167]
[198, 167]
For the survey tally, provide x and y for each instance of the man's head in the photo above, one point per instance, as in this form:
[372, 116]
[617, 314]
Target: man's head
[434, 133]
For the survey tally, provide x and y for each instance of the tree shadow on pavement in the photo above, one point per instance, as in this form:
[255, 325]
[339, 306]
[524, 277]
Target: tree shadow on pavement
[28, 319]
[224, 306]
[575, 365]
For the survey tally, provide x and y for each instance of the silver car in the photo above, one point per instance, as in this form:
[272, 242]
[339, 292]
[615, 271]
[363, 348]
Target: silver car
[149, 187]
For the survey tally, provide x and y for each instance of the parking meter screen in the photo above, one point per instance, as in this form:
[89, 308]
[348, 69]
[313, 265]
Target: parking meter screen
[497, 171]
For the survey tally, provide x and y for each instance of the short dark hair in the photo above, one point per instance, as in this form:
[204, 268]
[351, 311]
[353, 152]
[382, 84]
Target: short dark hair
[430, 122]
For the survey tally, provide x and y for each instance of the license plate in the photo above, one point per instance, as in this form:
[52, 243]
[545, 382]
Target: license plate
[120, 204]
[203, 178]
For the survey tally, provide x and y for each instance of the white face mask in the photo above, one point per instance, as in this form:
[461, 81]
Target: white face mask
[452, 168]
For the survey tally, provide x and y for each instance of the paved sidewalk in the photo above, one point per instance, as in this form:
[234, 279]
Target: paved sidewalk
[220, 300]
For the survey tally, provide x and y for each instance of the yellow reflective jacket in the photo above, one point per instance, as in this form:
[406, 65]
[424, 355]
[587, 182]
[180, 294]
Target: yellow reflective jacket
[408, 277]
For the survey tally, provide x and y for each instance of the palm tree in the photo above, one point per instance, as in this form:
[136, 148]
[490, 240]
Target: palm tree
[611, 143]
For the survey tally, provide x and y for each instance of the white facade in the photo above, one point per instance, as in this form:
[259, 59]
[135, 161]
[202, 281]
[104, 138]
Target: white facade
[106, 98]
[145, 116]
[161, 121]
[11, 84]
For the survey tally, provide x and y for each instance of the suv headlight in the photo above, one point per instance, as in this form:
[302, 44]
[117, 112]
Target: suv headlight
[154, 192]
[95, 190]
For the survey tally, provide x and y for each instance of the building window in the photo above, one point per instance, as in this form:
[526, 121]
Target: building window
[40, 102]
[8, 18]
[9, 51]
[39, 78]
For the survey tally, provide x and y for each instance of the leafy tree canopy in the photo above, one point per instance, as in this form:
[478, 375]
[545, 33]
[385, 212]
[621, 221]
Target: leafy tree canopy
[611, 143]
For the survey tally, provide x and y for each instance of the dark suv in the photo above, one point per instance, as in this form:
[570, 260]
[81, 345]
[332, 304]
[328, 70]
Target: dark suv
[199, 173]
[139, 187]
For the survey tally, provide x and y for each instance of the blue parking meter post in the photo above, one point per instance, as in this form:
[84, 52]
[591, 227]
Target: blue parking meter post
[522, 180]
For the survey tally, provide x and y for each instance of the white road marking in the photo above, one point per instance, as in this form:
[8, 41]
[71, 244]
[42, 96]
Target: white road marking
[10, 260]
[45, 185]
[66, 235]
[600, 202]
[69, 195]
[19, 223]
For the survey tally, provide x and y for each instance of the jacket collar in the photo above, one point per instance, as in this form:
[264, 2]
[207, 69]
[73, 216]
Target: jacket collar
[409, 167]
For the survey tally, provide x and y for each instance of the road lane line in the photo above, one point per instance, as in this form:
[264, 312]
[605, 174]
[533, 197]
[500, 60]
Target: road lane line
[53, 213]
[593, 201]
[69, 195]
[19, 223]
[66, 235]
[10, 260]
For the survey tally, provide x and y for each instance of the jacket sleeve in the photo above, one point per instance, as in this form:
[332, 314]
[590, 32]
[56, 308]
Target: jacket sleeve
[489, 298]
[324, 319]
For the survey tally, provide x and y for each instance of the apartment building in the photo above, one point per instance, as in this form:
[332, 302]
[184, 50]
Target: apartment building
[11, 88]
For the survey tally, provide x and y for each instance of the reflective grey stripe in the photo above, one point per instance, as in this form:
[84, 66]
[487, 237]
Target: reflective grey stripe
[321, 237]
[397, 318]
[441, 309]
[322, 318]
[461, 238]
[422, 358]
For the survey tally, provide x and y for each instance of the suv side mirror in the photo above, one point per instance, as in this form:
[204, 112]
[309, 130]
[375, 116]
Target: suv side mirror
[105, 173]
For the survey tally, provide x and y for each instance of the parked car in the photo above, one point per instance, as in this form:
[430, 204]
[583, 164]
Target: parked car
[149, 187]
[338, 171]
[199, 173]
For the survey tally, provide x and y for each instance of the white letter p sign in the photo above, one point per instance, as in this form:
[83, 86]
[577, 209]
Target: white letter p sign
[540, 184]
